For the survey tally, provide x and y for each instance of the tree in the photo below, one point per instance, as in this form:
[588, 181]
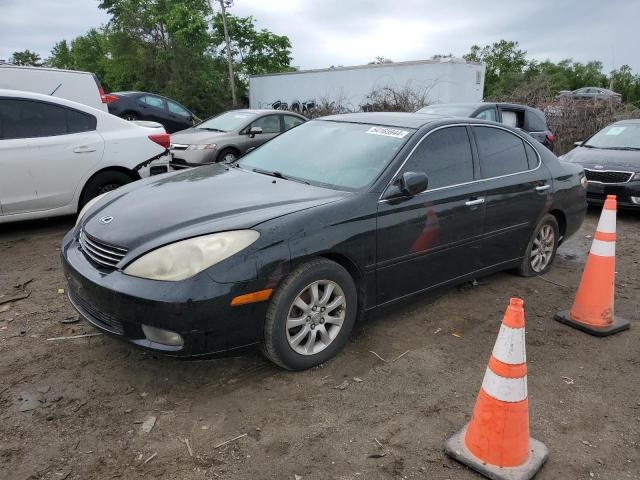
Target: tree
[26, 58]
[504, 61]
[60, 56]
[254, 51]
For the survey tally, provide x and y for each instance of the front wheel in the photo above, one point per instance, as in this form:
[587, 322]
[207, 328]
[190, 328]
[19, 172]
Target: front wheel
[310, 316]
[542, 247]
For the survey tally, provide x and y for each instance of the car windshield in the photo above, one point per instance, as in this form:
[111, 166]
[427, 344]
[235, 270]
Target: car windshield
[337, 154]
[226, 122]
[449, 110]
[621, 136]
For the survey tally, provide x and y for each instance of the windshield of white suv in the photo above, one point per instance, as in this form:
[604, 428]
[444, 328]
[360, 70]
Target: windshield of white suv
[226, 122]
[619, 136]
[337, 154]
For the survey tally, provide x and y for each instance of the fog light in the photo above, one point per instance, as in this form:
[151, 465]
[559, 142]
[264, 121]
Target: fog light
[159, 335]
[635, 200]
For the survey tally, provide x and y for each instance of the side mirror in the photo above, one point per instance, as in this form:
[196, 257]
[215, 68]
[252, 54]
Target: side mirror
[253, 131]
[577, 144]
[413, 183]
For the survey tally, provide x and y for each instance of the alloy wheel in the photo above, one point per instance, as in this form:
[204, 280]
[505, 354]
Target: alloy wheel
[542, 250]
[315, 317]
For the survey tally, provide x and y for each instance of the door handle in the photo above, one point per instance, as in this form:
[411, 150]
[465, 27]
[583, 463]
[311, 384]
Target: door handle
[471, 203]
[542, 188]
[84, 149]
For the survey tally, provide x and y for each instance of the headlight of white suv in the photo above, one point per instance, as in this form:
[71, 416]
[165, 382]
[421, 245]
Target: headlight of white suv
[205, 146]
[184, 259]
[87, 206]
[636, 177]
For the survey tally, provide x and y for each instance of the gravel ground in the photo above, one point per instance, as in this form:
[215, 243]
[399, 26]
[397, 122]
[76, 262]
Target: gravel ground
[87, 400]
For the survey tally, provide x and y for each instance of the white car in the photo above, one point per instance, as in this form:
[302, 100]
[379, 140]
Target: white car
[56, 155]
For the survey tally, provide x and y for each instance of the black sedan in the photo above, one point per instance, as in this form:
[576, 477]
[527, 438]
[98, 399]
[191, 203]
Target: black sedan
[611, 161]
[339, 216]
[147, 106]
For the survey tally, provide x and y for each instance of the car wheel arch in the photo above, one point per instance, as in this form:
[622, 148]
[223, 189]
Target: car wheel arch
[133, 175]
[561, 218]
[225, 148]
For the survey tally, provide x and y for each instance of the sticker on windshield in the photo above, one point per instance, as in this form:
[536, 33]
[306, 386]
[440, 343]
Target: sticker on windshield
[615, 130]
[387, 132]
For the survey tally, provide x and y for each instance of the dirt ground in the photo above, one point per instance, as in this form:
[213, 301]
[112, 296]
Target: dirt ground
[92, 395]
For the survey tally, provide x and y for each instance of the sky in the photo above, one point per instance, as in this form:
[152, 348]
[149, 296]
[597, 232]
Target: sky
[354, 32]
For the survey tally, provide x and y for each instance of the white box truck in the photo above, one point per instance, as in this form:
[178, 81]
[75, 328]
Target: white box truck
[448, 80]
[81, 87]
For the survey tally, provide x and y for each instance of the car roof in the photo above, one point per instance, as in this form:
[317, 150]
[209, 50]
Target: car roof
[390, 119]
[482, 104]
[628, 121]
[262, 111]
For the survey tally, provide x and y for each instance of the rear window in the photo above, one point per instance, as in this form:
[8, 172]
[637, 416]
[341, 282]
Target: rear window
[534, 121]
[29, 119]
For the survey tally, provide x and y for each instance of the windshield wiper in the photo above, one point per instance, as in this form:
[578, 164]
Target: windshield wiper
[210, 129]
[623, 148]
[279, 175]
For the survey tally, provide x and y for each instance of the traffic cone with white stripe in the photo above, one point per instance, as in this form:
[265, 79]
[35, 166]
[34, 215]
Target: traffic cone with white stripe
[496, 441]
[592, 310]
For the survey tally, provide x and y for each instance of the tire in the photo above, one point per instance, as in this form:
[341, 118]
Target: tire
[228, 155]
[539, 265]
[101, 183]
[279, 343]
[130, 116]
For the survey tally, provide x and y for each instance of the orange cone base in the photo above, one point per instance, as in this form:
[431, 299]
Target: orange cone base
[618, 325]
[456, 449]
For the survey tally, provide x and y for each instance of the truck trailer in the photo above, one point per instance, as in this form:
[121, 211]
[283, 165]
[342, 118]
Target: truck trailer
[353, 89]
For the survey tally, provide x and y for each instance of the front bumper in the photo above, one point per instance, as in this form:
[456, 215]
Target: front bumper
[597, 193]
[198, 308]
[180, 159]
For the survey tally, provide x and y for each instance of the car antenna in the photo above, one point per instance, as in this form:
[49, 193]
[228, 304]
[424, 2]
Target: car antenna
[55, 90]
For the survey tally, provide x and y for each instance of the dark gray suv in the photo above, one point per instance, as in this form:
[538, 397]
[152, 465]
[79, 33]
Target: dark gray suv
[228, 136]
[528, 119]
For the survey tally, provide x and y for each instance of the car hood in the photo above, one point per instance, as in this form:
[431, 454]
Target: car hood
[192, 136]
[605, 159]
[196, 202]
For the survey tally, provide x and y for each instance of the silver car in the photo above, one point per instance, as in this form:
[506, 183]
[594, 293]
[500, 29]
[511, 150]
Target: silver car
[229, 136]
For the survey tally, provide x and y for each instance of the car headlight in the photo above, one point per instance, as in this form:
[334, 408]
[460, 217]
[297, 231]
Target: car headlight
[205, 146]
[184, 259]
[87, 206]
[636, 177]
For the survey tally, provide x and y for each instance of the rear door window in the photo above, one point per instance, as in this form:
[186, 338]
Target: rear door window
[445, 156]
[532, 156]
[501, 152]
[177, 109]
[80, 122]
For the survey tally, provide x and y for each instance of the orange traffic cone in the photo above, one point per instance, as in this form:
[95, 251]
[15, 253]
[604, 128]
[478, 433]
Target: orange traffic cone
[496, 441]
[592, 310]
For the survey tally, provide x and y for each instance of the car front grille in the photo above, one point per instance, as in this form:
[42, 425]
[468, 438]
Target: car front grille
[607, 176]
[103, 254]
[97, 317]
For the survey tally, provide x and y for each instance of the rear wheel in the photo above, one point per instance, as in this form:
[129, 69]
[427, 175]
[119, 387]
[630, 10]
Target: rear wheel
[103, 182]
[310, 316]
[541, 250]
[130, 116]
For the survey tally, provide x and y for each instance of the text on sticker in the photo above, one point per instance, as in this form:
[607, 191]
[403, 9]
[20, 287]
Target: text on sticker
[387, 132]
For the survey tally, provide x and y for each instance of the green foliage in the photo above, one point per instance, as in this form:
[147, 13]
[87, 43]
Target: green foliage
[510, 75]
[26, 58]
[174, 48]
[254, 51]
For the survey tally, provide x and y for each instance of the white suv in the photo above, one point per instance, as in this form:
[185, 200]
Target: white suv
[56, 155]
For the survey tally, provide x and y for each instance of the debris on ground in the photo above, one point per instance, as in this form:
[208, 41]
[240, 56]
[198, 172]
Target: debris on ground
[148, 424]
[150, 458]
[86, 335]
[371, 351]
[232, 440]
[14, 298]
[342, 386]
[357, 380]
[29, 400]
[68, 320]
[568, 380]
